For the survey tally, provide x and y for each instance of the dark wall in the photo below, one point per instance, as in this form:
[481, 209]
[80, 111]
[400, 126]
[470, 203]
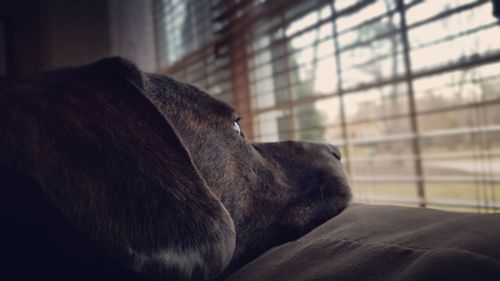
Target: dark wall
[23, 40]
[74, 32]
[46, 34]
[132, 31]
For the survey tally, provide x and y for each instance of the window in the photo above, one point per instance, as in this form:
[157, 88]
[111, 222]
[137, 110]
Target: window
[409, 90]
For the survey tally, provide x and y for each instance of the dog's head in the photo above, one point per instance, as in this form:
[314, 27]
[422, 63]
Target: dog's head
[159, 174]
[275, 192]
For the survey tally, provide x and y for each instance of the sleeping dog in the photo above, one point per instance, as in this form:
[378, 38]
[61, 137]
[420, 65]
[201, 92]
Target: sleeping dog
[111, 173]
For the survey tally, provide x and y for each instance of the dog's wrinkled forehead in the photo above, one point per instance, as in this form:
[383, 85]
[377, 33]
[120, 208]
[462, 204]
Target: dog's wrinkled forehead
[175, 97]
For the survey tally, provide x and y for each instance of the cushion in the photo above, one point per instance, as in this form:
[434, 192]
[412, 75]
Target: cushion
[367, 242]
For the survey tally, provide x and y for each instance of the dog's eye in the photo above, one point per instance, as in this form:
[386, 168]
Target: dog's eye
[236, 127]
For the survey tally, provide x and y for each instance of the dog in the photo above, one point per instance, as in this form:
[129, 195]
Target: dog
[111, 173]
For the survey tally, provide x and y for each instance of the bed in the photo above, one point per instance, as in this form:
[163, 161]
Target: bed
[367, 242]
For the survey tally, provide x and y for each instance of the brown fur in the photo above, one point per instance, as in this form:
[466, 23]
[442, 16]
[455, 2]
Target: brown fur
[145, 173]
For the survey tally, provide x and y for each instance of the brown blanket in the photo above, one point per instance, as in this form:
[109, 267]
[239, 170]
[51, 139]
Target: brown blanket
[387, 243]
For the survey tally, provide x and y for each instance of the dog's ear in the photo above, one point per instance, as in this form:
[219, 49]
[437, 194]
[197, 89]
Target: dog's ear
[116, 168]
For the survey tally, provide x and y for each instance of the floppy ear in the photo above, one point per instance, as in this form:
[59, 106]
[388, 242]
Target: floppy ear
[112, 164]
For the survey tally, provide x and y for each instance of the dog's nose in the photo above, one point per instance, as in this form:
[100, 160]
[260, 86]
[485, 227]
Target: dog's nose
[334, 151]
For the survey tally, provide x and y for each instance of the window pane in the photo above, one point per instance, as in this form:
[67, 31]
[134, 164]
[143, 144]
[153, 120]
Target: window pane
[459, 87]
[371, 62]
[378, 130]
[373, 168]
[374, 103]
[394, 193]
[453, 192]
[367, 10]
[454, 38]
[272, 126]
[381, 149]
[314, 79]
[319, 121]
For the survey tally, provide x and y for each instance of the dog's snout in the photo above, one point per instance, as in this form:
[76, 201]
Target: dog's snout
[334, 151]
